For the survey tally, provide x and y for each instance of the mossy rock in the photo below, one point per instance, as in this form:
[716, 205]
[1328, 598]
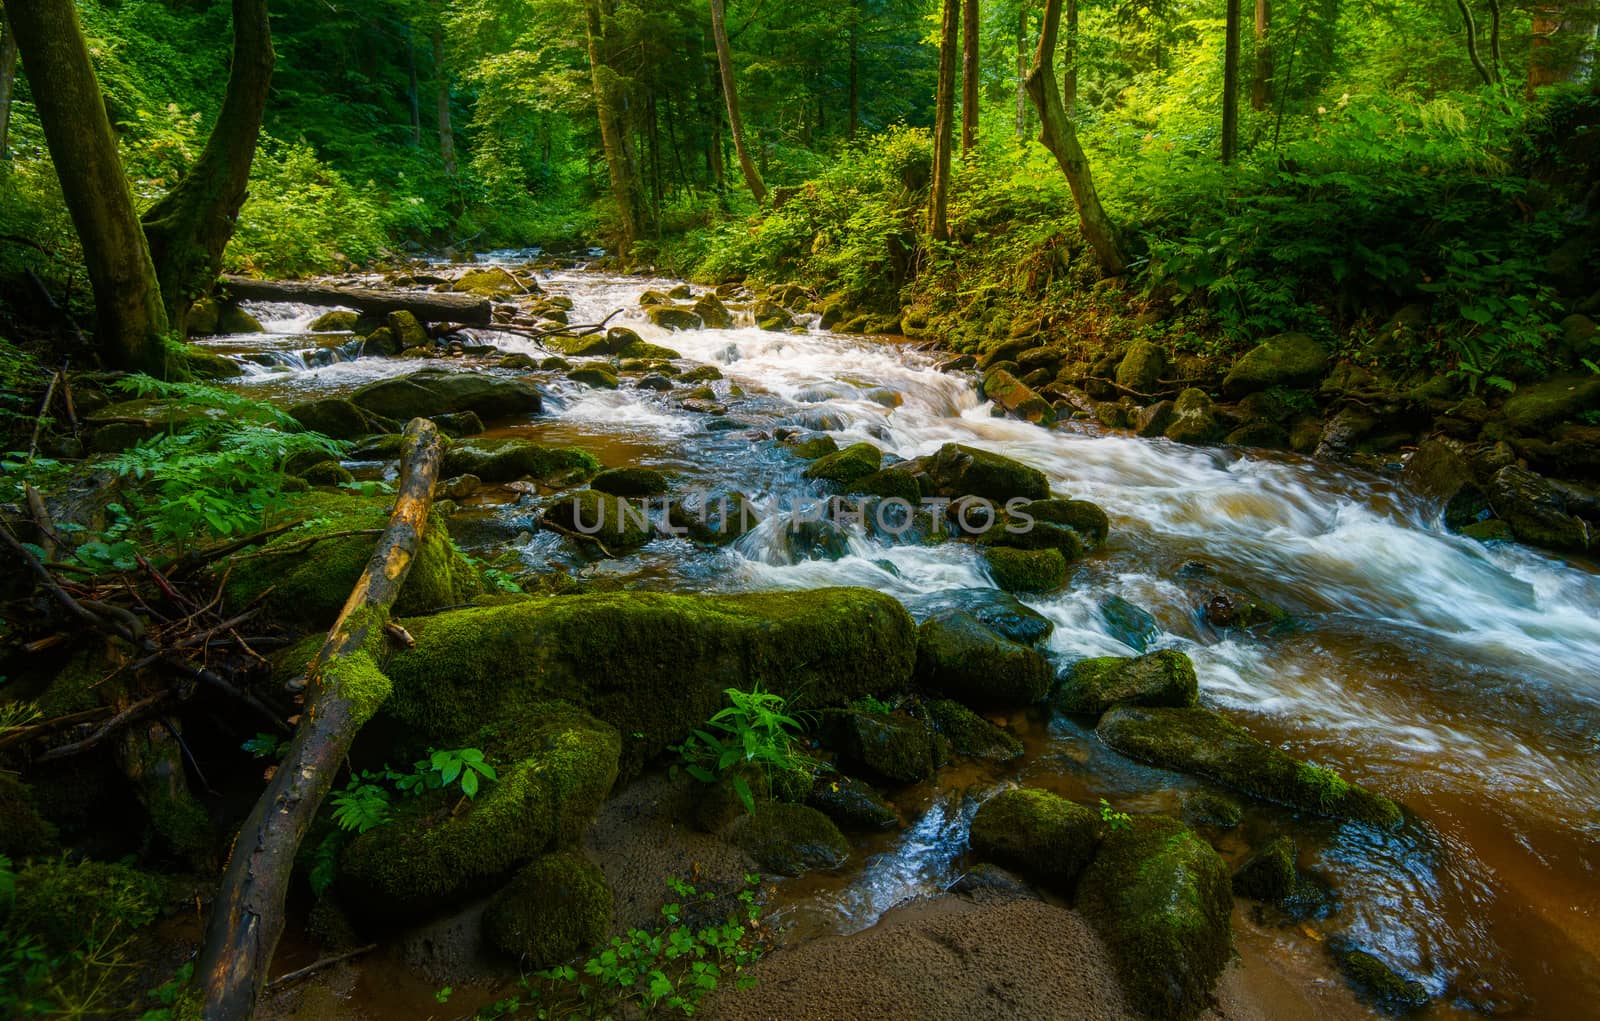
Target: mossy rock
[341, 419]
[653, 665]
[23, 831]
[1000, 612]
[791, 840]
[231, 319]
[1164, 678]
[310, 588]
[853, 805]
[630, 482]
[1537, 407]
[326, 472]
[1194, 419]
[407, 329]
[1039, 834]
[1205, 744]
[459, 424]
[810, 446]
[970, 734]
[127, 423]
[338, 321]
[955, 470]
[893, 749]
[713, 313]
[701, 374]
[721, 803]
[490, 283]
[1209, 808]
[714, 517]
[617, 524]
[1016, 398]
[1378, 983]
[198, 363]
[554, 908]
[1084, 518]
[509, 459]
[434, 392]
[1159, 896]
[1129, 624]
[670, 317]
[71, 906]
[890, 483]
[1287, 360]
[1142, 367]
[556, 765]
[1268, 875]
[854, 462]
[596, 376]
[1023, 570]
[959, 657]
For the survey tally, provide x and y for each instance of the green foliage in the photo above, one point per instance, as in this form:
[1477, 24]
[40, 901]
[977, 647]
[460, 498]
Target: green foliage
[873, 705]
[365, 802]
[266, 746]
[754, 730]
[360, 806]
[1114, 819]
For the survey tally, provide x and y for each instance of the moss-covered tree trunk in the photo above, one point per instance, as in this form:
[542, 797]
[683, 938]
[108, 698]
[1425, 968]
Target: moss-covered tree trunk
[189, 228]
[1230, 79]
[441, 85]
[969, 75]
[943, 122]
[1022, 73]
[610, 99]
[8, 81]
[730, 93]
[1060, 136]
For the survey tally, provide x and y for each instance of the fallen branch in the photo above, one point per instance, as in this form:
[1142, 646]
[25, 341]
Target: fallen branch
[427, 306]
[316, 966]
[534, 333]
[139, 709]
[346, 688]
[44, 413]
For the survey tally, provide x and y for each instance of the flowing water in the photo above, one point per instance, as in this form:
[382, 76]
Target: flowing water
[1461, 680]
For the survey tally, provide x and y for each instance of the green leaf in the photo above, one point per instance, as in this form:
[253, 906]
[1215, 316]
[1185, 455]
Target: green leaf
[469, 784]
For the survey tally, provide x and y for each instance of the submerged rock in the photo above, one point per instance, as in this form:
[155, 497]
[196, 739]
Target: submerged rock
[716, 517]
[1000, 612]
[1017, 398]
[958, 656]
[1043, 836]
[554, 908]
[1131, 625]
[617, 525]
[972, 735]
[791, 840]
[1377, 982]
[1268, 875]
[1092, 686]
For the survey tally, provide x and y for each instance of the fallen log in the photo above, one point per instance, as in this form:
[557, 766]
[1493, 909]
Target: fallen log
[427, 306]
[346, 688]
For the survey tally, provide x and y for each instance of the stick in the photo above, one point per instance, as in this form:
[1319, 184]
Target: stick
[143, 707]
[44, 411]
[316, 966]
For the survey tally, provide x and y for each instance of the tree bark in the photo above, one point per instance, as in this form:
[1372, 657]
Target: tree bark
[190, 226]
[1069, 90]
[346, 687]
[1471, 27]
[1230, 80]
[8, 81]
[1261, 85]
[130, 319]
[1060, 136]
[730, 94]
[611, 107]
[427, 306]
[1022, 73]
[943, 122]
[413, 92]
[441, 87]
[970, 21]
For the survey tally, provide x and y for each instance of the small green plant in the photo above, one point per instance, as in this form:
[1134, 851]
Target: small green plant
[266, 746]
[1114, 819]
[870, 704]
[443, 994]
[361, 806]
[365, 801]
[754, 730]
[325, 862]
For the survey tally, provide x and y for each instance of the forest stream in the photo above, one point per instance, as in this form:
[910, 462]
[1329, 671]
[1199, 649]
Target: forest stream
[1457, 678]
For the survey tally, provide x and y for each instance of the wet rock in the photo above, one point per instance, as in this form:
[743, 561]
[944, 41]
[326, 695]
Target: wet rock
[890, 483]
[854, 462]
[1003, 351]
[595, 376]
[1289, 360]
[1016, 398]
[970, 734]
[670, 317]
[1208, 808]
[1537, 407]
[892, 749]
[459, 424]
[340, 419]
[960, 363]
[1262, 435]
[509, 459]
[630, 482]
[1160, 897]
[700, 374]
[555, 363]
[338, 321]
[955, 470]
[810, 446]
[1155, 420]
[326, 473]
[713, 313]
[1118, 414]
[853, 805]
[1205, 744]
[772, 317]
[1043, 836]
[1378, 983]
[1238, 610]
[984, 881]
[649, 299]
[1488, 532]
[1268, 875]
[1142, 367]
[1536, 511]
[1194, 419]
[1344, 432]
[407, 329]
[1087, 520]
[617, 525]
[1164, 678]
[1024, 570]
[1440, 471]
[1571, 451]
[1131, 625]
[434, 392]
[812, 539]
[552, 909]
[959, 657]
[998, 611]
[496, 283]
[655, 381]
[719, 517]
[461, 486]
[1047, 357]
[791, 840]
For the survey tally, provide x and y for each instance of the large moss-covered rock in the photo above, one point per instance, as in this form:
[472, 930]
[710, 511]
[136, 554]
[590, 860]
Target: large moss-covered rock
[617, 524]
[341, 419]
[1016, 398]
[437, 392]
[890, 483]
[407, 329]
[854, 462]
[1539, 406]
[1039, 834]
[1205, 744]
[1024, 570]
[972, 735]
[23, 831]
[955, 470]
[631, 482]
[309, 585]
[1159, 895]
[594, 375]
[509, 459]
[791, 840]
[1000, 612]
[1142, 367]
[1164, 678]
[958, 656]
[340, 320]
[1194, 419]
[670, 317]
[1268, 875]
[653, 665]
[495, 282]
[1289, 359]
[554, 908]
[1537, 511]
[713, 313]
[894, 749]
[556, 764]
[127, 423]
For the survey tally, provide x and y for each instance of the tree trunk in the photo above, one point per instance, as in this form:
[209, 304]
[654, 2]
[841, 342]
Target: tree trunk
[8, 81]
[130, 319]
[1022, 73]
[611, 107]
[730, 93]
[855, 69]
[1261, 85]
[1230, 81]
[427, 306]
[1471, 27]
[1061, 138]
[943, 121]
[1069, 90]
[413, 92]
[969, 76]
[190, 226]
[346, 687]
[441, 86]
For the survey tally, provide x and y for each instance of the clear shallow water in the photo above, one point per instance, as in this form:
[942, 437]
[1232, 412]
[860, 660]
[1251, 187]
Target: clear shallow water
[1463, 681]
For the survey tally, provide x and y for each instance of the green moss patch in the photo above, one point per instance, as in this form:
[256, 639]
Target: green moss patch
[959, 657]
[554, 908]
[1164, 678]
[791, 840]
[1041, 835]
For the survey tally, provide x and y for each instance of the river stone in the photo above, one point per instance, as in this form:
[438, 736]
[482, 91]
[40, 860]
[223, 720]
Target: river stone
[434, 392]
[959, 657]
[338, 321]
[655, 381]
[1537, 511]
[1440, 472]
[713, 313]
[1142, 367]
[1155, 420]
[597, 376]
[891, 749]
[509, 459]
[853, 805]
[407, 329]
[791, 840]
[1194, 419]
[714, 517]
[1016, 398]
[650, 299]
[1268, 875]
[1289, 359]
[1205, 744]
[1092, 686]
[630, 482]
[812, 539]
[970, 734]
[854, 462]
[670, 317]
[1087, 520]
[1377, 982]
[1000, 612]
[1537, 407]
[1039, 834]
[701, 374]
[554, 908]
[1025, 570]
[340, 419]
[615, 525]
[891, 483]
[811, 445]
[1131, 625]
[955, 470]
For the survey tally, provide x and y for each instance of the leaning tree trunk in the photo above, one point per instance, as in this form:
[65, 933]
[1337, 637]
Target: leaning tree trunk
[943, 122]
[8, 81]
[1261, 85]
[191, 225]
[1061, 138]
[610, 104]
[730, 93]
[969, 76]
[130, 321]
[347, 686]
[1230, 81]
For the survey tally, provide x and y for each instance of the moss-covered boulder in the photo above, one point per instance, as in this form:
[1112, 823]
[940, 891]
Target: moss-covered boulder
[1379, 984]
[232, 320]
[854, 462]
[69, 906]
[508, 459]
[892, 749]
[713, 517]
[701, 374]
[127, 423]
[1039, 834]
[597, 377]
[1164, 678]
[653, 665]
[1086, 519]
[959, 657]
[1268, 875]
[1159, 896]
[791, 840]
[1129, 624]
[551, 910]
[1205, 744]
[890, 483]
[1194, 419]
[438, 392]
[1288, 360]
[23, 831]
[631, 482]
[1142, 367]
[407, 329]
[495, 282]
[341, 419]
[309, 588]
[955, 470]
[1023, 570]
[1535, 408]
[713, 313]
[616, 524]
[809, 446]
[1000, 612]
[671, 317]
[1016, 398]
[337, 321]
[1537, 511]
[853, 805]
[970, 734]
[556, 764]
